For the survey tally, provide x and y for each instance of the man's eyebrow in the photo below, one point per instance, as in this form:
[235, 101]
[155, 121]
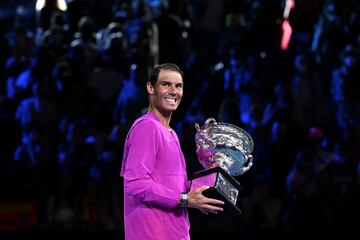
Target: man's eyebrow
[167, 81]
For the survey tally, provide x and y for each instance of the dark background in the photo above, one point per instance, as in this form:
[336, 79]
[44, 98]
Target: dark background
[72, 81]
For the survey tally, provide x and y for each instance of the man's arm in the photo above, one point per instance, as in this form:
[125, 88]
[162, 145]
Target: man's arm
[139, 162]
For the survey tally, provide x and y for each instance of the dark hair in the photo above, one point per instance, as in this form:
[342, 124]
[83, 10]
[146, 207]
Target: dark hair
[154, 73]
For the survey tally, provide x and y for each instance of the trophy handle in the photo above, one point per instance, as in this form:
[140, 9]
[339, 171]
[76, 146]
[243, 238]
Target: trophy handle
[210, 121]
[207, 123]
[248, 163]
[197, 127]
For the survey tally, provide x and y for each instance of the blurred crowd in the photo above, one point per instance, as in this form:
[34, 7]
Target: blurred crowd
[72, 81]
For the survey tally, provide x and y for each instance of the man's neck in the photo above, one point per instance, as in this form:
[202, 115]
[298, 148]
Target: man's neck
[163, 117]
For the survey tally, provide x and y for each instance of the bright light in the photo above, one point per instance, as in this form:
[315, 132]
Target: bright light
[290, 4]
[61, 4]
[286, 34]
[40, 4]
[285, 26]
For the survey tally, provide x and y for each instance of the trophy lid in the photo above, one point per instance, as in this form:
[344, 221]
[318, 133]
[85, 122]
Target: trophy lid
[225, 145]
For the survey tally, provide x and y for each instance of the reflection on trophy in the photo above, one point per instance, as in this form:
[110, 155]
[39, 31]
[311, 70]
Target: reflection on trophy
[224, 150]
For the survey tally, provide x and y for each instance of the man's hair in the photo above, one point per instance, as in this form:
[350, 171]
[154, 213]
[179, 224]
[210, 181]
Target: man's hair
[154, 73]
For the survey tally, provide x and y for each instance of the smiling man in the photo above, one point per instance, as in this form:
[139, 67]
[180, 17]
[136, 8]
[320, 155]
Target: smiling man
[156, 188]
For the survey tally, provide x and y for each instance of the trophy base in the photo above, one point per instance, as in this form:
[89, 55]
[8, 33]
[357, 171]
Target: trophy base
[222, 185]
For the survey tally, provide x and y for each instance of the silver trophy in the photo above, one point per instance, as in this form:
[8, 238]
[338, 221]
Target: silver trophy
[224, 150]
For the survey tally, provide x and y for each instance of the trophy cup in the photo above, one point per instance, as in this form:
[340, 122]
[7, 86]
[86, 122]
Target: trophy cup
[224, 150]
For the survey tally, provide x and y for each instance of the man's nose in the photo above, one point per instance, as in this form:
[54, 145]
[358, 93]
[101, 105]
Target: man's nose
[173, 89]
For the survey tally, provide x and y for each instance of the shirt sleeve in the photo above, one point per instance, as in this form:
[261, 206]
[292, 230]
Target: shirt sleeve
[140, 156]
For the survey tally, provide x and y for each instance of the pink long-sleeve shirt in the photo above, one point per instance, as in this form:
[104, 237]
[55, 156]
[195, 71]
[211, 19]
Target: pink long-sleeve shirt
[154, 172]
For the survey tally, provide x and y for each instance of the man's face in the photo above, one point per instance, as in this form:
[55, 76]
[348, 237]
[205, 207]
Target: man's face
[166, 95]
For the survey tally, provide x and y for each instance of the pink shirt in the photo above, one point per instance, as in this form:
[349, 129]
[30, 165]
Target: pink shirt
[154, 172]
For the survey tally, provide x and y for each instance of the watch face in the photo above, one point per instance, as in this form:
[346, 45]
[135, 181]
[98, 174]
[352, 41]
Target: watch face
[183, 200]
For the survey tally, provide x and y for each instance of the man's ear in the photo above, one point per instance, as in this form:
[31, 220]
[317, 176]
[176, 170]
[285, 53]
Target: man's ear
[150, 88]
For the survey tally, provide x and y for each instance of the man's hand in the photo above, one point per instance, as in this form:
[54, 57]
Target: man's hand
[197, 200]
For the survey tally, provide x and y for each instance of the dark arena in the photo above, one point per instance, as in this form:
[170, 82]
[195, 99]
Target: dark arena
[74, 77]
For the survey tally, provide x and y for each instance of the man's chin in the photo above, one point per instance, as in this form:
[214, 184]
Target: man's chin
[171, 109]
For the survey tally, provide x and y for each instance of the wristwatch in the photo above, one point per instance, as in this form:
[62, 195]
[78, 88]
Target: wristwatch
[183, 200]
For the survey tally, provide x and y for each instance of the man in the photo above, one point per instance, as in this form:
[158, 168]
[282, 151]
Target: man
[156, 195]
